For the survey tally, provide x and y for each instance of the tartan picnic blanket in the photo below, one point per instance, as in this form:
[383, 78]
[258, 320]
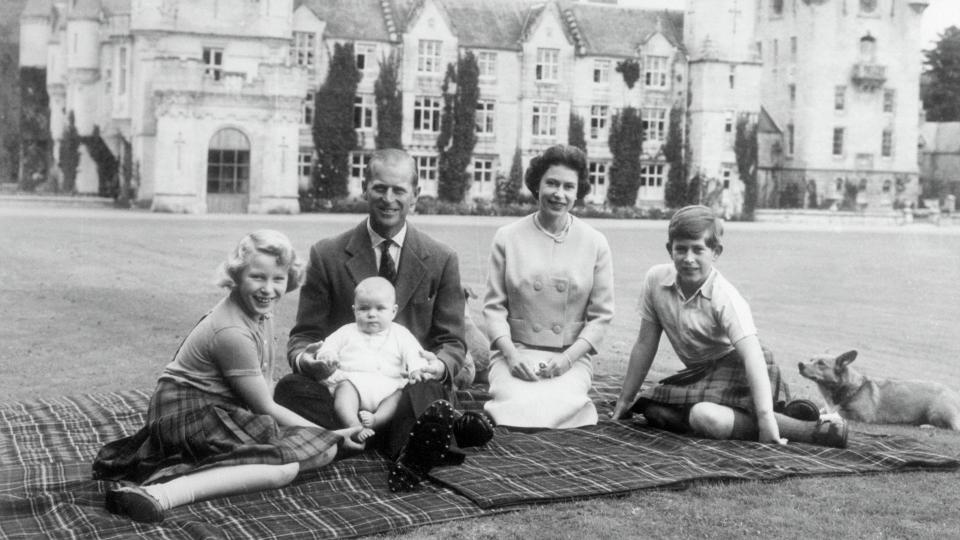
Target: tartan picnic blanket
[47, 446]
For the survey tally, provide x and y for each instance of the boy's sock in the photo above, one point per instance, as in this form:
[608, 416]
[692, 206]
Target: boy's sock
[823, 433]
[221, 481]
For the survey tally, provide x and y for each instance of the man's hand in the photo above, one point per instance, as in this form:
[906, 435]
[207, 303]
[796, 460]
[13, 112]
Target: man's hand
[435, 368]
[317, 368]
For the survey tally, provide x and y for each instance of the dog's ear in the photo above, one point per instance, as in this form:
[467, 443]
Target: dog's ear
[845, 359]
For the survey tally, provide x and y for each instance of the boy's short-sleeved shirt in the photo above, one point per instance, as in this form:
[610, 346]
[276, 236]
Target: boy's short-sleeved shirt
[701, 328]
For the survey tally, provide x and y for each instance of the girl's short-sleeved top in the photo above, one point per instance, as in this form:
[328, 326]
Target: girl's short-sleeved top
[701, 328]
[227, 342]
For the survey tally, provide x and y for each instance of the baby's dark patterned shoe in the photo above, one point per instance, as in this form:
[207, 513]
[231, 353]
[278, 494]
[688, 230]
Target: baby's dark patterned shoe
[802, 409]
[426, 448]
[472, 429]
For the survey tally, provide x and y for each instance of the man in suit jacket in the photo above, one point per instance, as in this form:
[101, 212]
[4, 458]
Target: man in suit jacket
[429, 298]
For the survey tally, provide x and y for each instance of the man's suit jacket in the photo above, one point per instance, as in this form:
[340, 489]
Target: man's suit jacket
[430, 298]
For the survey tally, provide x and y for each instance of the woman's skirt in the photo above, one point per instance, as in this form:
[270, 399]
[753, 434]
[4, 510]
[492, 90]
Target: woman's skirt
[556, 403]
[723, 382]
[189, 430]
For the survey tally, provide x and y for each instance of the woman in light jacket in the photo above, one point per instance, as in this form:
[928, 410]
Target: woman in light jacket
[549, 301]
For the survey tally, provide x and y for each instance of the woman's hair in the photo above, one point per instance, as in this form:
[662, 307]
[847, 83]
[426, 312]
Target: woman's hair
[268, 242]
[691, 222]
[561, 154]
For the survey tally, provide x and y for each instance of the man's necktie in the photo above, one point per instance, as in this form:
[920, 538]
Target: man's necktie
[388, 270]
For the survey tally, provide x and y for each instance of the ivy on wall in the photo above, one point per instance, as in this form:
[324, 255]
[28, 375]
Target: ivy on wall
[389, 101]
[69, 157]
[626, 143]
[674, 192]
[34, 138]
[630, 71]
[458, 129]
[745, 149]
[575, 135]
[509, 188]
[334, 135]
[107, 164]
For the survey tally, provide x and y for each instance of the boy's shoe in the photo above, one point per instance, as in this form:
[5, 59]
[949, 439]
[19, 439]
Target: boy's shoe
[426, 448]
[802, 409]
[134, 502]
[472, 429]
[831, 433]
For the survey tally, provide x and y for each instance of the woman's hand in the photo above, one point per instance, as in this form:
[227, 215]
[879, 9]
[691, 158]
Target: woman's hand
[556, 366]
[520, 369]
[621, 411]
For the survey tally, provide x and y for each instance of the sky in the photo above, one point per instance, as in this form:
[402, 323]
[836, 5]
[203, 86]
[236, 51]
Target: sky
[937, 17]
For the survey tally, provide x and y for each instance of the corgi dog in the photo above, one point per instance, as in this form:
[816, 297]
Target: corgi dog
[855, 396]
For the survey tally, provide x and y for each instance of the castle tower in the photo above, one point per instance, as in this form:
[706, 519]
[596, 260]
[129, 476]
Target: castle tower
[35, 33]
[841, 80]
[724, 76]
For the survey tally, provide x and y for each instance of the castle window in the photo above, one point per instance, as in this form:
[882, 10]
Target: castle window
[839, 98]
[889, 98]
[228, 162]
[358, 164]
[793, 49]
[868, 48]
[487, 64]
[838, 141]
[482, 171]
[776, 7]
[303, 49]
[305, 163]
[428, 56]
[601, 71]
[868, 6]
[651, 176]
[548, 65]
[655, 71]
[653, 122]
[792, 89]
[365, 57]
[886, 143]
[728, 122]
[790, 139]
[363, 112]
[596, 174]
[599, 116]
[427, 168]
[122, 70]
[213, 60]
[308, 106]
[426, 114]
[544, 119]
[484, 117]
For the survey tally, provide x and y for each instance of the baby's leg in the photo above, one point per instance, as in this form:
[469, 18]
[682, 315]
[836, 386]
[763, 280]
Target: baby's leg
[346, 403]
[384, 413]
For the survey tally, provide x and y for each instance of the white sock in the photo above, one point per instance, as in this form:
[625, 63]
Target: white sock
[221, 481]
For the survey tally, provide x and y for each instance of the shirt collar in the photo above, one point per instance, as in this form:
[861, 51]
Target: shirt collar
[705, 290]
[376, 239]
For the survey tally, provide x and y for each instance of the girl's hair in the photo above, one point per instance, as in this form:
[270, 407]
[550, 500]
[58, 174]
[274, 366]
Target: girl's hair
[691, 222]
[561, 154]
[268, 242]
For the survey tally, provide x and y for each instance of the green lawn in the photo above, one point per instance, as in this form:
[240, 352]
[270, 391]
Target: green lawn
[99, 301]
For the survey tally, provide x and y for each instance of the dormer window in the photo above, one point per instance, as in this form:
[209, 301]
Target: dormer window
[868, 6]
[548, 65]
[868, 48]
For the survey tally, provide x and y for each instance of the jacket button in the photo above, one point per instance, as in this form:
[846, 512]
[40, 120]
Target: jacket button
[537, 328]
[561, 287]
[537, 285]
[556, 329]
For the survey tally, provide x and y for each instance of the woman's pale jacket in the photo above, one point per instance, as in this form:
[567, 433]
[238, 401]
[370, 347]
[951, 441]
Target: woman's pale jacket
[546, 293]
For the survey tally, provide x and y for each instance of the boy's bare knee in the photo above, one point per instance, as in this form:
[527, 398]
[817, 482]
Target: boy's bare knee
[711, 420]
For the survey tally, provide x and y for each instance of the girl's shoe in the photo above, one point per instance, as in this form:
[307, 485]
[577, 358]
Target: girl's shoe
[134, 502]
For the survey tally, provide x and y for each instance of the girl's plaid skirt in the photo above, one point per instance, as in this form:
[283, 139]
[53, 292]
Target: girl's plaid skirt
[724, 383]
[189, 430]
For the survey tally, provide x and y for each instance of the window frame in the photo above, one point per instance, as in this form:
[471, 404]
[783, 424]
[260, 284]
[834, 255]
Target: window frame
[427, 111]
[837, 141]
[599, 127]
[654, 128]
[212, 58]
[485, 118]
[655, 67]
[543, 120]
[364, 112]
[429, 56]
[547, 68]
[303, 49]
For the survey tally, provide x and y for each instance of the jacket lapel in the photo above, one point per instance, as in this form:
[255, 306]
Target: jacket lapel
[359, 252]
[412, 268]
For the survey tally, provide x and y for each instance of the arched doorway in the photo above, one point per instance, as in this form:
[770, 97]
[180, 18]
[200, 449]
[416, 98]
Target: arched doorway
[228, 172]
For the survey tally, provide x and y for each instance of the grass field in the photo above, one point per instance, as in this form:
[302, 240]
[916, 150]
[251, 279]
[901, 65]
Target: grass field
[99, 300]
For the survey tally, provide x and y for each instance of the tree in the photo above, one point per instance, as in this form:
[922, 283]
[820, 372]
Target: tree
[458, 130]
[9, 113]
[389, 100]
[745, 149]
[674, 193]
[509, 188]
[941, 93]
[107, 163]
[694, 189]
[575, 135]
[70, 154]
[626, 141]
[34, 140]
[334, 133]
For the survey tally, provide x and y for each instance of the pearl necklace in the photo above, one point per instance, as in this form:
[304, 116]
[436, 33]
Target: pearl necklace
[556, 237]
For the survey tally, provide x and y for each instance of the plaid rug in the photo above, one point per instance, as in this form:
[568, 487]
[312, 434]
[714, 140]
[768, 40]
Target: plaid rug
[47, 445]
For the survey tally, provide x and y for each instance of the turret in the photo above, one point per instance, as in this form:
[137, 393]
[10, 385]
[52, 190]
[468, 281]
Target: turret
[35, 33]
[83, 35]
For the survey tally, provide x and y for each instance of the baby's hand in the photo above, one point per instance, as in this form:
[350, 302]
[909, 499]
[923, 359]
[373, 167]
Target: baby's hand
[419, 375]
[330, 359]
